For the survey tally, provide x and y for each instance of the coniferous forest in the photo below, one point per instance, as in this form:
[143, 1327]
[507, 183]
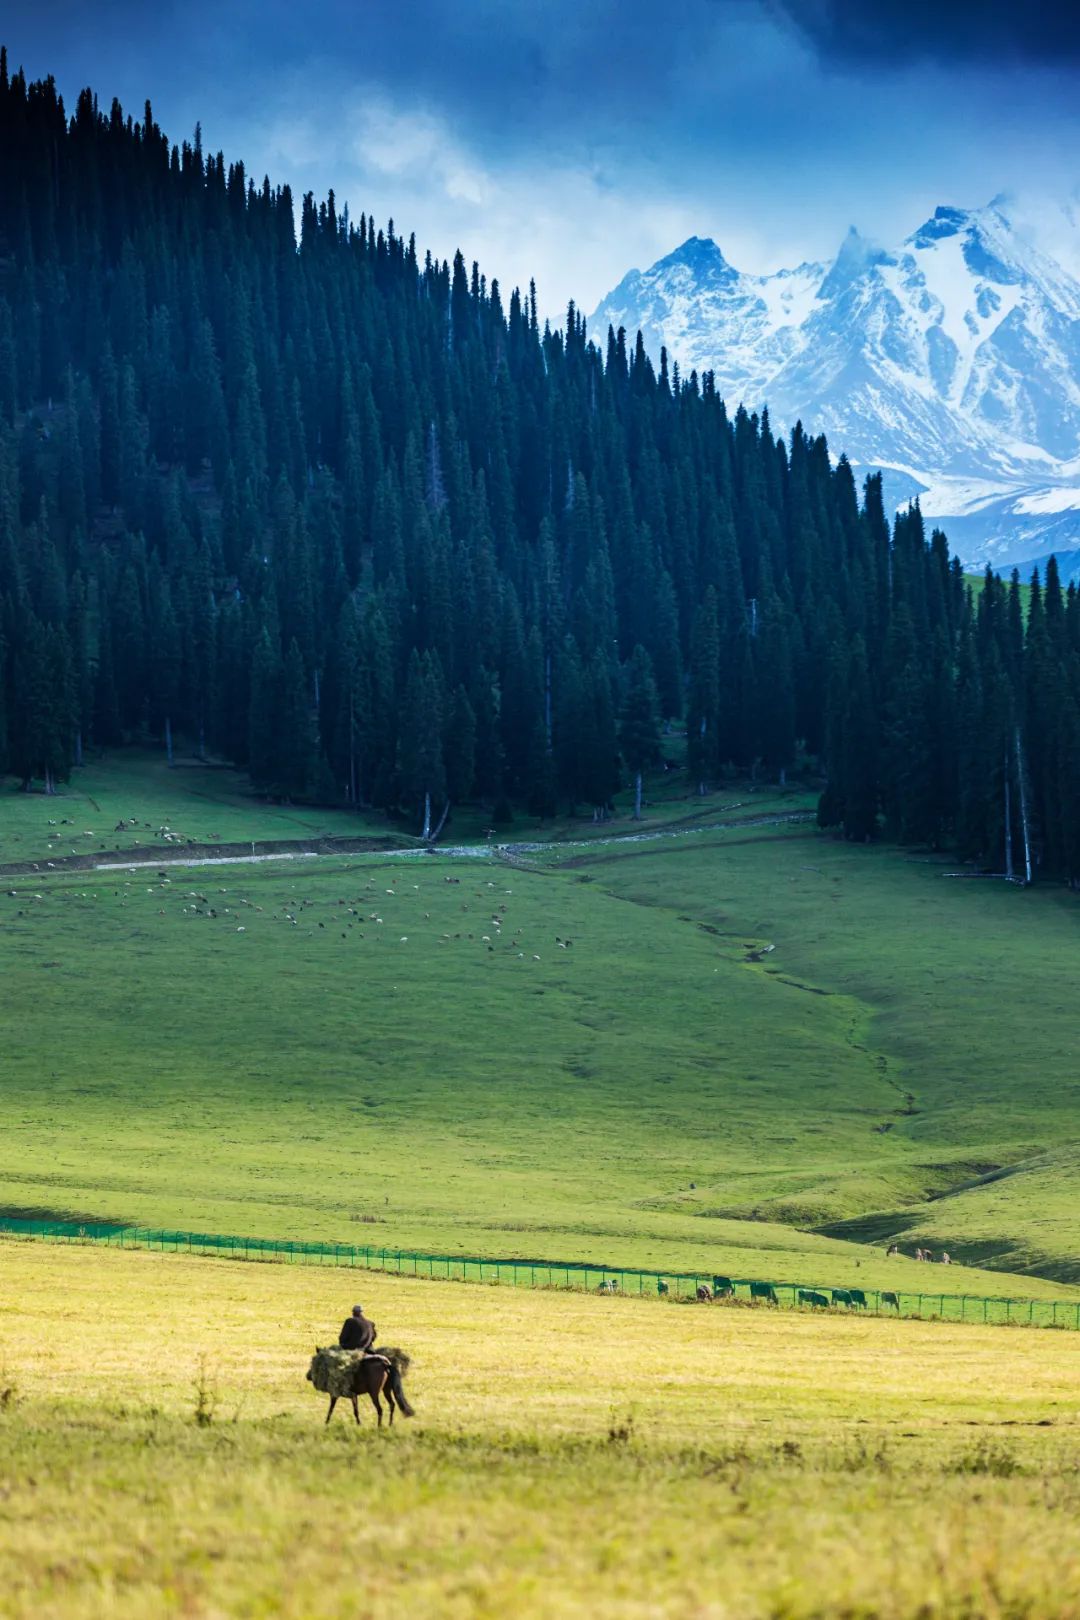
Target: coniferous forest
[355, 520]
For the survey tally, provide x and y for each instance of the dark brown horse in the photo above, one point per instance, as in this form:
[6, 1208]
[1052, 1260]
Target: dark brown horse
[378, 1373]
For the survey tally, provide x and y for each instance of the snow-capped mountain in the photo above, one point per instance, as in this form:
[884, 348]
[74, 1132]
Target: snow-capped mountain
[952, 361]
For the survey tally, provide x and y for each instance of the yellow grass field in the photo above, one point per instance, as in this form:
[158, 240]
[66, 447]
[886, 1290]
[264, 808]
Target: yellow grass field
[571, 1455]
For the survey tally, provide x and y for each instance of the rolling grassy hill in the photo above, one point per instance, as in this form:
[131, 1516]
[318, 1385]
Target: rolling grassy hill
[749, 1048]
[957, 1001]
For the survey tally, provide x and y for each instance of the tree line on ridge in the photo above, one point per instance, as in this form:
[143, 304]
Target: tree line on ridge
[356, 521]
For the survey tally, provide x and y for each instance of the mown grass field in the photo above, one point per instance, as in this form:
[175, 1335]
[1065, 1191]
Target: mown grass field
[683, 1054]
[571, 1455]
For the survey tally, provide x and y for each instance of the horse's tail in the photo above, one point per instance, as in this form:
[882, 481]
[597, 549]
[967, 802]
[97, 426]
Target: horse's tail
[399, 1364]
[399, 1392]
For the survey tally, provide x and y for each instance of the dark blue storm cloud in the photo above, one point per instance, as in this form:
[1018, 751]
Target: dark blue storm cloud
[947, 31]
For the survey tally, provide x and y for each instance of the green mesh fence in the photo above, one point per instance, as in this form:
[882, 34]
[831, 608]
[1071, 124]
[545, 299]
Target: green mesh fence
[927, 1304]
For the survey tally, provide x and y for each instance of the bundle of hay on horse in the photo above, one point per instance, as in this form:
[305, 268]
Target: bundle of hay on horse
[349, 1373]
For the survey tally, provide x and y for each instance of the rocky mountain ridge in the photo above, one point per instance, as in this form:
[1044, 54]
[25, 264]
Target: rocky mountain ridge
[951, 361]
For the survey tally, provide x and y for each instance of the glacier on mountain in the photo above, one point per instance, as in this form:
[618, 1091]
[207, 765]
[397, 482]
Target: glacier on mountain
[951, 362]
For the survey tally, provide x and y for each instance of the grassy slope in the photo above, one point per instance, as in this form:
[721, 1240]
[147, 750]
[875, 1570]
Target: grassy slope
[959, 995]
[977, 584]
[203, 803]
[396, 1086]
[570, 1455]
[213, 804]
[391, 1085]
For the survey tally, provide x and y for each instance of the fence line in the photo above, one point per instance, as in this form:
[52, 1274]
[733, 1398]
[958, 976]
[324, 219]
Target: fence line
[580, 1275]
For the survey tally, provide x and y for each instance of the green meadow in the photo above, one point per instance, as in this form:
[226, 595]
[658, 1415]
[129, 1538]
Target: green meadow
[746, 1048]
[570, 1455]
[125, 802]
[128, 800]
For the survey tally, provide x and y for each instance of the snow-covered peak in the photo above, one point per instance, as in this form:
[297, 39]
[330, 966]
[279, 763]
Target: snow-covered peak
[857, 257]
[685, 298]
[699, 254]
[995, 251]
[945, 222]
[952, 358]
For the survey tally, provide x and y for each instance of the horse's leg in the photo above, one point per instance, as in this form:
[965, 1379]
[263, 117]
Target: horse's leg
[333, 1403]
[388, 1391]
[373, 1390]
[355, 1408]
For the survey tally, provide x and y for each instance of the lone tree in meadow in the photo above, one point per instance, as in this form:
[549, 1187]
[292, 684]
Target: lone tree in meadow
[639, 732]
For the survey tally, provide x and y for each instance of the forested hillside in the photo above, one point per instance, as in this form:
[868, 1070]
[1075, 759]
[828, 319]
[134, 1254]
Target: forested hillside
[351, 518]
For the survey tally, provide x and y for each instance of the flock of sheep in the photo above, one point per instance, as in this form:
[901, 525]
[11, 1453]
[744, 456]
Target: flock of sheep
[370, 914]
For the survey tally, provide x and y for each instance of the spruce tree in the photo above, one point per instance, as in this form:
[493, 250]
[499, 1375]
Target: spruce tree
[296, 739]
[266, 696]
[639, 729]
[421, 761]
[703, 707]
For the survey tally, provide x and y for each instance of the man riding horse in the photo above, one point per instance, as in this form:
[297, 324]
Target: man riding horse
[357, 1331]
[362, 1370]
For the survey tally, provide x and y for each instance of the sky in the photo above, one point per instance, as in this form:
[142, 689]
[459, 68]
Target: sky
[572, 140]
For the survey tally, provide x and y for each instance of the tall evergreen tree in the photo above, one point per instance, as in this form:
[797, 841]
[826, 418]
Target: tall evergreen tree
[639, 730]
